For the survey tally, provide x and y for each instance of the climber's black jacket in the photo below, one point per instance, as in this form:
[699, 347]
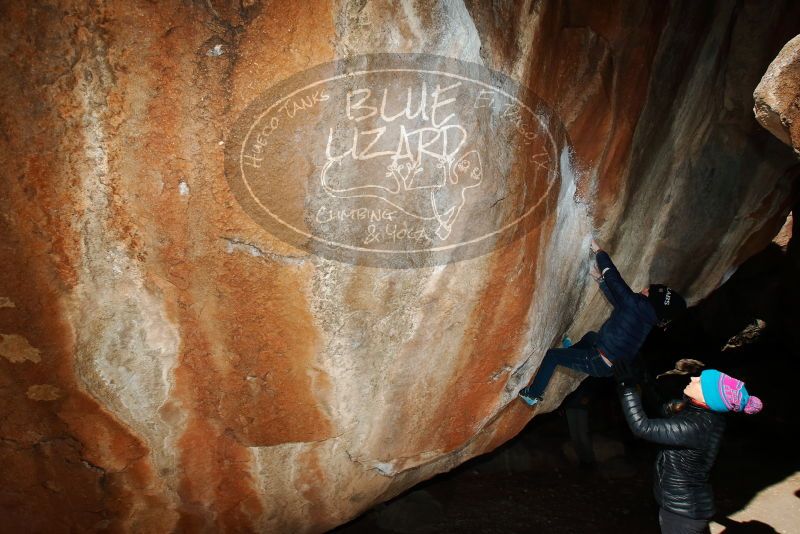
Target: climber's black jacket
[690, 441]
[623, 334]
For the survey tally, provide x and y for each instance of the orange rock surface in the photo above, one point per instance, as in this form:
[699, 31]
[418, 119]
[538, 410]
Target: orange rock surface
[167, 365]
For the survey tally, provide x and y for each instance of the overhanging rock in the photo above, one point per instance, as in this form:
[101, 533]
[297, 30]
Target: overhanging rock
[189, 347]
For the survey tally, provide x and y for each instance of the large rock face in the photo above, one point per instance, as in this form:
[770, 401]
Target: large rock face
[167, 364]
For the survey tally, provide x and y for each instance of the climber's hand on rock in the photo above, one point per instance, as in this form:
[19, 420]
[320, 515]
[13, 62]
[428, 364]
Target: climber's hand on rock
[594, 246]
[595, 272]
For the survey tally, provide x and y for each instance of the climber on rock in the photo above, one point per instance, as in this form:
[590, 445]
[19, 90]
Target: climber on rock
[620, 337]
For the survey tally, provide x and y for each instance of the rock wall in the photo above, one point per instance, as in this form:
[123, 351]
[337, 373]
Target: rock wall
[169, 365]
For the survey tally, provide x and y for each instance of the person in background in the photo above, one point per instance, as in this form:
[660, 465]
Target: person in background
[620, 337]
[690, 436]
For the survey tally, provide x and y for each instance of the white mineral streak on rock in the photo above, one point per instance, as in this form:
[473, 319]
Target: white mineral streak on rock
[284, 480]
[561, 276]
[373, 346]
[275, 468]
[215, 51]
[377, 325]
[374, 27]
[125, 346]
[183, 188]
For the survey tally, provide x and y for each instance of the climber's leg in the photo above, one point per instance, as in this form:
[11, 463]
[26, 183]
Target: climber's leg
[576, 357]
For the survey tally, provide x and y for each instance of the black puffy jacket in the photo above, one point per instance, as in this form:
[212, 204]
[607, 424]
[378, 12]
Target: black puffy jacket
[690, 441]
[623, 334]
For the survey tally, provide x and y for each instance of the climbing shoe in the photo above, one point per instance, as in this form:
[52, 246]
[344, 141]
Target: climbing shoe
[529, 399]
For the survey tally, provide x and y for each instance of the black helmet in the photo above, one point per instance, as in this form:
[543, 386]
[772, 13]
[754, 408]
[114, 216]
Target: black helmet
[666, 301]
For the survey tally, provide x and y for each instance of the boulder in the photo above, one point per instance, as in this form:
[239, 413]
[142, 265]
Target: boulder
[176, 356]
[777, 96]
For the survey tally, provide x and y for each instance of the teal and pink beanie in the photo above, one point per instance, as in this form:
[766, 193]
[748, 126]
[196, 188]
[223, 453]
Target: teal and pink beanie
[723, 393]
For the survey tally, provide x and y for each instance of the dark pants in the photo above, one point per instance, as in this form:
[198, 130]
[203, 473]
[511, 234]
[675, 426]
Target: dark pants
[672, 523]
[582, 356]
